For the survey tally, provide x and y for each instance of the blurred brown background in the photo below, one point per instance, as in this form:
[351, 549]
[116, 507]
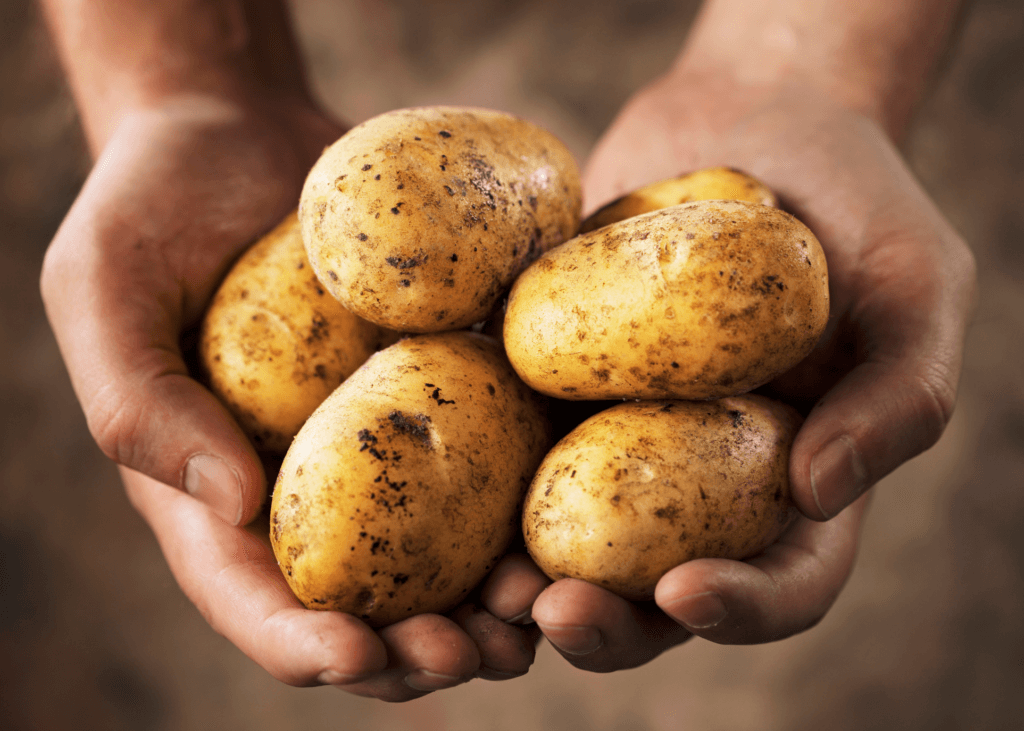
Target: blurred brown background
[929, 633]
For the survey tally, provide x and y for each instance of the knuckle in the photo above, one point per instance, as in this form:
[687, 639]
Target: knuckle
[50, 275]
[114, 421]
[934, 399]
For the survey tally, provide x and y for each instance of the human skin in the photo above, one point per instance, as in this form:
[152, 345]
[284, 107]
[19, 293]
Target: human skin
[810, 97]
[203, 131]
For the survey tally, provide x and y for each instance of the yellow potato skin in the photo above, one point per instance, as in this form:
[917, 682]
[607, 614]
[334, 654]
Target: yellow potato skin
[274, 343]
[638, 489]
[719, 183]
[420, 219]
[698, 301]
[403, 489]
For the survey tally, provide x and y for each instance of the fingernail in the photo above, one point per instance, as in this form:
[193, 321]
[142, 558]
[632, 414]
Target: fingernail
[574, 640]
[425, 680]
[838, 476]
[524, 618]
[209, 479]
[333, 677]
[699, 611]
[485, 673]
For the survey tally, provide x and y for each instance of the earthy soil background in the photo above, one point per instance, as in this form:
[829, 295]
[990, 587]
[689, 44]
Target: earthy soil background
[929, 633]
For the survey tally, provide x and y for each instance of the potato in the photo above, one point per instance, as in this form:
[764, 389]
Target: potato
[710, 184]
[274, 344]
[698, 301]
[403, 489]
[420, 219]
[645, 486]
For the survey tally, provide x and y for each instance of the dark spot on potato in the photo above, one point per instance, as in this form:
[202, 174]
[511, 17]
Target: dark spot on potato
[404, 282]
[615, 499]
[363, 237]
[445, 133]
[332, 275]
[449, 189]
[436, 395]
[411, 262]
[366, 436]
[454, 257]
[490, 389]
[703, 495]
[367, 166]
[674, 364]
[394, 210]
[609, 544]
[669, 512]
[737, 418]
[414, 426]
[320, 371]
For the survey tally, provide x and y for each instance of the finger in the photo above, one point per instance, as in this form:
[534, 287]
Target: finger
[910, 315]
[512, 587]
[506, 651]
[598, 631]
[785, 590]
[230, 574]
[117, 312]
[427, 652]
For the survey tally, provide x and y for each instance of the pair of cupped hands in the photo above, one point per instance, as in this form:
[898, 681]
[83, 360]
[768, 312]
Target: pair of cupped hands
[182, 187]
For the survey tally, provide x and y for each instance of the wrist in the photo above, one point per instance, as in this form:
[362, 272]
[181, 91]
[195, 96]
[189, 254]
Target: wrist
[874, 58]
[123, 56]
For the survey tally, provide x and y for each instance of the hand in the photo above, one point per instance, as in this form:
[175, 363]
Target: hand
[882, 381]
[179, 191]
[232, 577]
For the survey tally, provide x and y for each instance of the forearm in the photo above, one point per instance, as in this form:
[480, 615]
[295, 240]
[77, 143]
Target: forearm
[873, 56]
[125, 54]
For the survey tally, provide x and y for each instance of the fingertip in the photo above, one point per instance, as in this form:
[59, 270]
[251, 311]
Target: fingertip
[209, 479]
[303, 647]
[434, 644]
[837, 477]
[570, 613]
[512, 587]
[354, 651]
[710, 598]
[699, 611]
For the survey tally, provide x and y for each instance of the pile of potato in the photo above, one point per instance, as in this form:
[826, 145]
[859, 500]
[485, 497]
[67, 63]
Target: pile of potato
[411, 441]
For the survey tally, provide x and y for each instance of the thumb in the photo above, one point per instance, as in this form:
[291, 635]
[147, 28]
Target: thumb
[895, 403]
[117, 313]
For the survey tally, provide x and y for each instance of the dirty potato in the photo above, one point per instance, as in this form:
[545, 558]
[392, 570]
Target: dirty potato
[274, 343]
[420, 219]
[403, 489]
[719, 183]
[645, 486]
[697, 301]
